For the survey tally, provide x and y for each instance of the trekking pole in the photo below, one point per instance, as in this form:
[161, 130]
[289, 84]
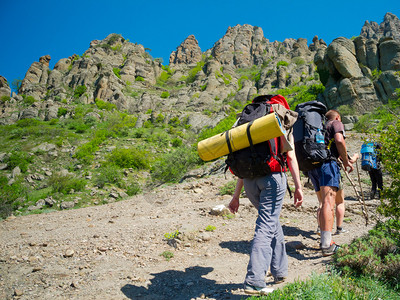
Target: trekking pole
[362, 196]
[359, 197]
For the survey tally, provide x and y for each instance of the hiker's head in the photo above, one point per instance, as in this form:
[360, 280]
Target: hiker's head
[333, 114]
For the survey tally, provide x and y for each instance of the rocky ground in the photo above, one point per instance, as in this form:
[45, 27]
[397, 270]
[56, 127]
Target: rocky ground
[114, 251]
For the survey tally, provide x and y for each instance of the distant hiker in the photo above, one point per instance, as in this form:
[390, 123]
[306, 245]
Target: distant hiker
[266, 193]
[370, 162]
[326, 178]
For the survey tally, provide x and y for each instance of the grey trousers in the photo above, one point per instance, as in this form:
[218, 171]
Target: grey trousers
[268, 245]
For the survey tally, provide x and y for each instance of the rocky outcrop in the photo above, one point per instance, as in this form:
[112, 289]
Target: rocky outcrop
[362, 73]
[241, 46]
[187, 53]
[5, 89]
[390, 27]
[35, 80]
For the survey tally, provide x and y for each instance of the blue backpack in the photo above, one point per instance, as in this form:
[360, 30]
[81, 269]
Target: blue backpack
[368, 157]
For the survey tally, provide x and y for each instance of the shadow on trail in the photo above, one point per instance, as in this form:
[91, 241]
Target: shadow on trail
[243, 247]
[182, 285]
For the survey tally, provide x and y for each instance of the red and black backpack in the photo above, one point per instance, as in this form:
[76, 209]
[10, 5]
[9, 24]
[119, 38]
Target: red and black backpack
[260, 159]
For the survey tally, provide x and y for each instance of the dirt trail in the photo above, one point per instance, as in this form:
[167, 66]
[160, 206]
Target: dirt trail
[113, 251]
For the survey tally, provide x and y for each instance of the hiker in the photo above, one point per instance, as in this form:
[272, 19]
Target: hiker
[268, 250]
[339, 201]
[371, 163]
[326, 178]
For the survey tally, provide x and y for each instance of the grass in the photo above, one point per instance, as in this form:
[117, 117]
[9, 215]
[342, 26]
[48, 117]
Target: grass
[332, 286]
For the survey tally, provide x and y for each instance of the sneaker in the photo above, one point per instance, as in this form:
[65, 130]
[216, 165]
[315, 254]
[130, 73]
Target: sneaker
[318, 231]
[279, 279]
[340, 231]
[330, 250]
[255, 290]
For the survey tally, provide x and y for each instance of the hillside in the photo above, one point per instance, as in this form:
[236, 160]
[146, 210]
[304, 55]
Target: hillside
[114, 251]
[114, 122]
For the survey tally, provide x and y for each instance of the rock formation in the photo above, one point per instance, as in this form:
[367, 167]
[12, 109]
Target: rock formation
[187, 53]
[5, 89]
[363, 72]
[390, 27]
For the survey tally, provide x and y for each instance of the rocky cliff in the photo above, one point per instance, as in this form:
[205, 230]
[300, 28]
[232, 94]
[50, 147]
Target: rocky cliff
[363, 72]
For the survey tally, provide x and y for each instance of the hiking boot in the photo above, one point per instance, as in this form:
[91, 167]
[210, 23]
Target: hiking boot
[330, 250]
[279, 279]
[372, 195]
[341, 230]
[255, 290]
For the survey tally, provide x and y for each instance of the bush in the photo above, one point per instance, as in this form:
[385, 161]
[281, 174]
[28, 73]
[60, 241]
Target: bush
[172, 166]
[66, 183]
[79, 91]
[108, 174]
[61, 111]
[29, 100]
[129, 158]
[133, 188]
[9, 194]
[282, 63]
[139, 78]
[5, 98]
[375, 255]
[116, 72]
[228, 188]
[19, 159]
[164, 95]
[105, 105]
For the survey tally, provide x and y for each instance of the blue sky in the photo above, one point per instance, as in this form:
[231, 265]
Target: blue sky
[30, 28]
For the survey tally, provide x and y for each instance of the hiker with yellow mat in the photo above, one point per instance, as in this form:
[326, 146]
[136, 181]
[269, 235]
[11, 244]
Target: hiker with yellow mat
[265, 184]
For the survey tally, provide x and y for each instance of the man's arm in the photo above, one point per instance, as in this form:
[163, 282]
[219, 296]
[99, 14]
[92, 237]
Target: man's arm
[234, 204]
[294, 170]
[341, 147]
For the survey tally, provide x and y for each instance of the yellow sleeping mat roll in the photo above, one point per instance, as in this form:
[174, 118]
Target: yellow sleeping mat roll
[262, 129]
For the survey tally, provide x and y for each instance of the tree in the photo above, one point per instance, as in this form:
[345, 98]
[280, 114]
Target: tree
[16, 84]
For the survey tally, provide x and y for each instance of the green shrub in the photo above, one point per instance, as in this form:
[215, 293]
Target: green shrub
[241, 79]
[193, 72]
[139, 78]
[167, 255]
[176, 142]
[27, 123]
[210, 228]
[105, 105]
[5, 98]
[108, 174]
[116, 72]
[133, 188]
[164, 94]
[129, 158]
[66, 183]
[282, 63]
[228, 188]
[78, 125]
[171, 235]
[61, 111]
[9, 195]
[172, 166]
[346, 110]
[79, 91]
[375, 255]
[29, 100]
[299, 61]
[19, 159]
